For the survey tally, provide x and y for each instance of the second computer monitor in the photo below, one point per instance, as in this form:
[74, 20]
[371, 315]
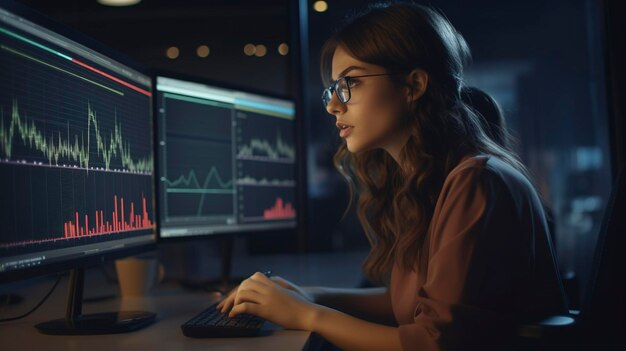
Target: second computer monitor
[227, 160]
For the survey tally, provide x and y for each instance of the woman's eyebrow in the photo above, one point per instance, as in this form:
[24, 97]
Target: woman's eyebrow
[345, 71]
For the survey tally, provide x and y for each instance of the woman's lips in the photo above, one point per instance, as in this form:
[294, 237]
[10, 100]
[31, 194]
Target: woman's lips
[345, 132]
[344, 129]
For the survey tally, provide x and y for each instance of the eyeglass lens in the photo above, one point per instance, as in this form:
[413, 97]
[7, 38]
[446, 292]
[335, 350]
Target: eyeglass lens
[341, 88]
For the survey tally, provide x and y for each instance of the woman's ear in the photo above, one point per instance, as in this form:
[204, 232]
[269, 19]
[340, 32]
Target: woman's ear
[417, 81]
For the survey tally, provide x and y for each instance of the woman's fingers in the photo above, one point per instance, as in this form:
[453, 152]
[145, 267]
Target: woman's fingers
[247, 296]
[261, 278]
[230, 293]
[227, 302]
[257, 282]
[248, 284]
[254, 285]
[221, 303]
[246, 307]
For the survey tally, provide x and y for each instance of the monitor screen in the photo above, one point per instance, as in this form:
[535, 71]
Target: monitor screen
[227, 160]
[76, 151]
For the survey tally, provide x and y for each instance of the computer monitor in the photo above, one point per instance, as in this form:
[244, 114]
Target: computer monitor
[76, 157]
[227, 166]
[227, 160]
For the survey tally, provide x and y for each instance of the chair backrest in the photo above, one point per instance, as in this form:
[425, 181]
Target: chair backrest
[603, 313]
[601, 323]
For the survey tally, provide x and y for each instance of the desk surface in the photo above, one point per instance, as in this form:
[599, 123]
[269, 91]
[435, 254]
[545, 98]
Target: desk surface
[173, 306]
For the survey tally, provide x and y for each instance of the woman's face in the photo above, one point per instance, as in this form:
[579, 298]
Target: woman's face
[375, 109]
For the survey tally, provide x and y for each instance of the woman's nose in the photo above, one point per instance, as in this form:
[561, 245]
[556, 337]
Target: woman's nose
[334, 106]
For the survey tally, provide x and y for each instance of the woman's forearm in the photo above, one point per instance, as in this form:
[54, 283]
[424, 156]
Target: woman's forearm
[372, 304]
[350, 333]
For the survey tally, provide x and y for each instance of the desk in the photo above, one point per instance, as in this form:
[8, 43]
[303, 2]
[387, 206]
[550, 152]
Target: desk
[173, 306]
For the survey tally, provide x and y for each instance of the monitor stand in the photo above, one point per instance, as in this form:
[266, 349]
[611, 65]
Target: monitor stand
[76, 323]
[225, 283]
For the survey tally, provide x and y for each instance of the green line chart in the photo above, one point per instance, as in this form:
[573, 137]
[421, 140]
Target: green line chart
[72, 148]
[189, 184]
[261, 147]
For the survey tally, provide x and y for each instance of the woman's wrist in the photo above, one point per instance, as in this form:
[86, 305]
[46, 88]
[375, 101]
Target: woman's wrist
[315, 313]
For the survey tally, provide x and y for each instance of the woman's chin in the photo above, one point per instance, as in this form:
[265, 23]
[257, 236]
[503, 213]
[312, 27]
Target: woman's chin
[352, 147]
[355, 147]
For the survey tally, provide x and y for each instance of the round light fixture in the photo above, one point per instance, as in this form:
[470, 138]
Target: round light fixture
[172, 52]
[118, 2]
[320, 6]
[260, 51]
[283, 49]
[203, 51]
[249, 49]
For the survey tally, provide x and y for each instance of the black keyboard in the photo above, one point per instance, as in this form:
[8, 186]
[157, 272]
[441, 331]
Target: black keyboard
[210, 323]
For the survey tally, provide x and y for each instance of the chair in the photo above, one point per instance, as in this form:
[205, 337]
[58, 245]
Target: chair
[601, 322]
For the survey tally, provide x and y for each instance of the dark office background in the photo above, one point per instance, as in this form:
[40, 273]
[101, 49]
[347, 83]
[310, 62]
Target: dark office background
[543, 61]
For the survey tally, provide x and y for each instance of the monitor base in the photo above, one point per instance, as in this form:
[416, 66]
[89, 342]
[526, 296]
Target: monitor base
[76, 323]
[98, 323]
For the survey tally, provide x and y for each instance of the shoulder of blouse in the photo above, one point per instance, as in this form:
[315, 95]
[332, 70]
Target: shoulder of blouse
[470, 162]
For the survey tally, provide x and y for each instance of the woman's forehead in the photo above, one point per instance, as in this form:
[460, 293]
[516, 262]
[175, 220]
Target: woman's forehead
[343, 63]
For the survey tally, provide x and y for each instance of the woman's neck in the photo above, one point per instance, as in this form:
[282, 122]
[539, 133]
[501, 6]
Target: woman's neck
[394, 148]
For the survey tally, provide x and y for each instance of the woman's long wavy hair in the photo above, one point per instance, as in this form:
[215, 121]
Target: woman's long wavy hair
[395, 208]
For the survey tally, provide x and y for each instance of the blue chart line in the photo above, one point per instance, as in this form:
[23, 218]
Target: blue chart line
[190, 185]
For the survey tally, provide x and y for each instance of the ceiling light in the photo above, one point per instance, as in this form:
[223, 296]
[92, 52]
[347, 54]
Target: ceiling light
[283, 49]
[320, 6]
[249, 49]
[172, 52]
[118, 2]
[260, 51]
[203, 51]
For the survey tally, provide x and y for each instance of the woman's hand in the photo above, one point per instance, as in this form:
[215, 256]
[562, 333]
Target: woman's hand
[228, 302]
[275, 300]
[306, 293]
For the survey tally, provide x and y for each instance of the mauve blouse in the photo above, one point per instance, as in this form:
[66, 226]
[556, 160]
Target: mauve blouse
[486, 263]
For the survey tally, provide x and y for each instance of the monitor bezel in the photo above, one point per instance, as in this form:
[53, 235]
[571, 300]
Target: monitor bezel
[98, 258]
[268, 232]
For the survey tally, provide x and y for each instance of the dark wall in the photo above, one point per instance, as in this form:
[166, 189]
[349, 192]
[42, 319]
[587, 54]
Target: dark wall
[145, 31]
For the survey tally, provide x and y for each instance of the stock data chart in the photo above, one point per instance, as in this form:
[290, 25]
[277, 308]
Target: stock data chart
[76, 159]
[265, 166]
[227, 159]
[199, 162]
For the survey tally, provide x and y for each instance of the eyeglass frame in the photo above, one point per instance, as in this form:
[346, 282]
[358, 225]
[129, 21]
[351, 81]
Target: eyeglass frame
[333, 87]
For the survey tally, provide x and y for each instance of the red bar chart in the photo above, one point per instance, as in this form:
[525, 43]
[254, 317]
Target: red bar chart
[280, 210]
[118, 222]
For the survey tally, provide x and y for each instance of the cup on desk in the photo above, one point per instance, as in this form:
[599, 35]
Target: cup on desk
[137, 275]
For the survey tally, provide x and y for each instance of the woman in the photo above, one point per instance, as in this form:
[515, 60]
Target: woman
[457, 231]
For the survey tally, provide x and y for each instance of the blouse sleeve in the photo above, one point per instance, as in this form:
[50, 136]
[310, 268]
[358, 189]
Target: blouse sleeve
[460, 305]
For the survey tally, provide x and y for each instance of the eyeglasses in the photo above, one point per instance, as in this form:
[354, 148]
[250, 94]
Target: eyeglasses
[341, 87]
